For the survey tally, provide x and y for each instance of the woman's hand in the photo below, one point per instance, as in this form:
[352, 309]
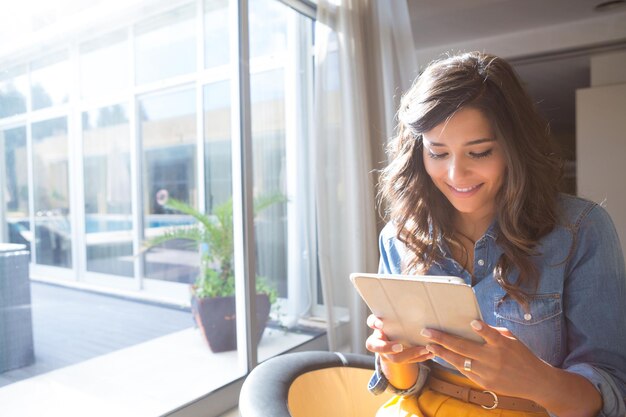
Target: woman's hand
[502, 364]
[392, 351]
[399, 363]
[505, 365]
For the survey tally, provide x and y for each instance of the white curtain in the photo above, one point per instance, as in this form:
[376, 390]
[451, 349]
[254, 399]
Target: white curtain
[364, 60]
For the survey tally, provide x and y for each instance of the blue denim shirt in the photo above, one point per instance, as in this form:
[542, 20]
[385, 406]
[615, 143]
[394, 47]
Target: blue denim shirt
[577, 318]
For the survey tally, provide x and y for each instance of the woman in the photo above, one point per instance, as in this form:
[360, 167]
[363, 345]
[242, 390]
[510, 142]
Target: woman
[471, 191]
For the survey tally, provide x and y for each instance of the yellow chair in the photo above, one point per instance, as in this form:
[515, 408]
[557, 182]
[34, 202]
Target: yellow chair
[311, 384]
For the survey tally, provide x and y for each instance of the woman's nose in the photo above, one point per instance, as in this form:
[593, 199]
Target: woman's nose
[456, 170]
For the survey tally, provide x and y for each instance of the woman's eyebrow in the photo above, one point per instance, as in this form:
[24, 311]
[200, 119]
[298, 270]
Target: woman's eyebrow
[479, 141]
[470, 143]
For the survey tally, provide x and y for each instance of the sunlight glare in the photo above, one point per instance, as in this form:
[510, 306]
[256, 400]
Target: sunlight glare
[21, 19]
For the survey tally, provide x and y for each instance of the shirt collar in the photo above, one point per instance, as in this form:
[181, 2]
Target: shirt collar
[492, 230]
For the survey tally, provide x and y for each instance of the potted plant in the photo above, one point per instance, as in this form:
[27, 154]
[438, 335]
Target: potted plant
[213, 292]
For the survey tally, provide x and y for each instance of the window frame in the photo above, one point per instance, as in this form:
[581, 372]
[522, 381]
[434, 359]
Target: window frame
[72, 110]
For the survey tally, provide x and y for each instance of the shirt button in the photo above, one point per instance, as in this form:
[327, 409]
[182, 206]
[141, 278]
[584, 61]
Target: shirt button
[527, 316]
[481, 262]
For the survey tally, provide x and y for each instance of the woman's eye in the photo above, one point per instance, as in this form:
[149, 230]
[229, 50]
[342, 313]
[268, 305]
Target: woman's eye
[437, 155]
[481, 154]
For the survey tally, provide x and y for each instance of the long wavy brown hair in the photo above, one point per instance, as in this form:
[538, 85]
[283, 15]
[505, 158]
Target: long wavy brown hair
[526, 204]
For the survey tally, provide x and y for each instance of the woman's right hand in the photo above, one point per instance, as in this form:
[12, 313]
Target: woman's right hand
[390, 351]
[399, 363]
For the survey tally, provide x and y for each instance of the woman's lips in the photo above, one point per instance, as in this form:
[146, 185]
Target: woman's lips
[465, 191]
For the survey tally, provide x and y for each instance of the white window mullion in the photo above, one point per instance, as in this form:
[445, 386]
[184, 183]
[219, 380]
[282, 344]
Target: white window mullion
[309, 229]
[201, 149]
[31, 170]
[76, 172]
[135, 167]
[243, 216]
[293, 128]
[11, 121]
[4, 232]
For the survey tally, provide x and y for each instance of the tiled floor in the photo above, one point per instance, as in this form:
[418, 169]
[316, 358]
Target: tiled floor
[145, 380]
[155, 363]
[71, 326]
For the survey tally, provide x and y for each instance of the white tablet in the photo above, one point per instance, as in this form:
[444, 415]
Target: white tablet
[409, 303]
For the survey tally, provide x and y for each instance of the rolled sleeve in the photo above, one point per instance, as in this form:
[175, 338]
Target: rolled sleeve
[612, 400]
[596, 311]
[379, 383]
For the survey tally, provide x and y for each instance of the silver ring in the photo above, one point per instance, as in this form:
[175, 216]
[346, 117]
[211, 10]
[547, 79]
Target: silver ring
[467, 365]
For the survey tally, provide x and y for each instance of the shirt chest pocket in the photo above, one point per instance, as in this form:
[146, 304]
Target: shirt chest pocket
[540, 327]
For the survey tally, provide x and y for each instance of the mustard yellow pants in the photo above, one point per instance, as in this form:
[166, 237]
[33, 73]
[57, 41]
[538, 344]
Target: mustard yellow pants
[433, 404]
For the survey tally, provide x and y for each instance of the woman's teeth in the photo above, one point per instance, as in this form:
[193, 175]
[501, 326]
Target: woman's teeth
[465, 190]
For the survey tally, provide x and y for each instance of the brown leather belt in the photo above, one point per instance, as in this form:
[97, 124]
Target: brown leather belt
[486, 399]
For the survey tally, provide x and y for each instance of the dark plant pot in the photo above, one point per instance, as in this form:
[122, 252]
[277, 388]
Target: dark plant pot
[216, 318]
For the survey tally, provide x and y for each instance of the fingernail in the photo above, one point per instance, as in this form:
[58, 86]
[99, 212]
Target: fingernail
[476, 325]
[429, 348]
[378, 324]
[426, 333]
[397, 348]
[424, 351]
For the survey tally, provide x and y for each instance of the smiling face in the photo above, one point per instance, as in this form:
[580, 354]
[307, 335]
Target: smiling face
[466, 163]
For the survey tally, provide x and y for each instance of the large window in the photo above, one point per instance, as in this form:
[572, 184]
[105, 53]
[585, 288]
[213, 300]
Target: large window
[165, 45]
[218, 156]
[16, 185]
[106, 164]
[50, 81]
[98, 77]
[103, 130]
[216, 33]
[13, 91]
[167, 126]
[51, 193]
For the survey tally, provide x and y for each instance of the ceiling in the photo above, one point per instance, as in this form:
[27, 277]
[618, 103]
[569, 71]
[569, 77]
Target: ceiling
[443, 22]
[551, 80]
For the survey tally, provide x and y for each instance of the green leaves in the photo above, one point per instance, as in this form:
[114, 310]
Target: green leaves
[210, 284]
[213, 234]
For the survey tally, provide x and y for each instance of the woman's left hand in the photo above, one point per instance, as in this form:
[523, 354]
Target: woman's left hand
[502, 364]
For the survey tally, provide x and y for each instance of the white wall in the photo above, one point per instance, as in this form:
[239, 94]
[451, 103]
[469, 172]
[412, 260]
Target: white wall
[601, 138]
[608, 69]
[587, 33]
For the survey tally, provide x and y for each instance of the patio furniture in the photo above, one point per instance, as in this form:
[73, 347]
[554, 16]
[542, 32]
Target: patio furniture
[16, 327]
[311, 384]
